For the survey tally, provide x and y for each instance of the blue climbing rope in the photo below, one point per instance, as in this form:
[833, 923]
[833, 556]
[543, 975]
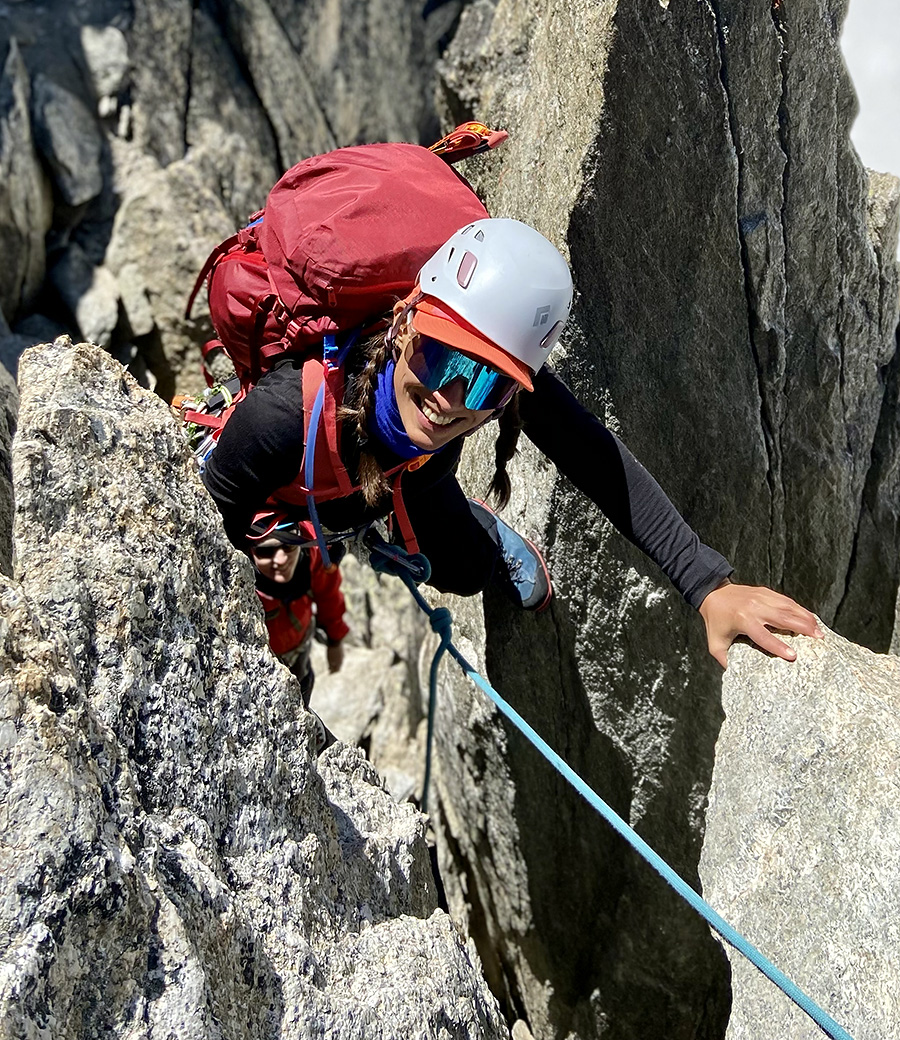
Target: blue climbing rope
[384, 558]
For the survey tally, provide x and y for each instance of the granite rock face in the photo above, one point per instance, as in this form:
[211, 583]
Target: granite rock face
[379, 699]
[70, 140]
[175, 859]
[864, 614]
[185, 114]
[25, 197]
[166, 213]
[802, 849]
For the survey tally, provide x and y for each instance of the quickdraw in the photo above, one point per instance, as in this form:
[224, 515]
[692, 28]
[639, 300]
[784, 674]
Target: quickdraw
[467, 140]
[203, 417]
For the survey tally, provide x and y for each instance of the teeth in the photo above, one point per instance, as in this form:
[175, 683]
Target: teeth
[432, 416]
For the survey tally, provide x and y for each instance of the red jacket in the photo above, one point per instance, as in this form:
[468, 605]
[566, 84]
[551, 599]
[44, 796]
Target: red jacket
[288, 621]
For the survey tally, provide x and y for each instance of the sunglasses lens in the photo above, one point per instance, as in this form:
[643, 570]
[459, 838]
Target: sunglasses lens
[268, 552]
[489, 389]
[436, 365]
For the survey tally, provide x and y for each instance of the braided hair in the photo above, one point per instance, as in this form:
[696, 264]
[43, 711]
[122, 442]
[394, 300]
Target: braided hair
[359, 410]
[504, 449]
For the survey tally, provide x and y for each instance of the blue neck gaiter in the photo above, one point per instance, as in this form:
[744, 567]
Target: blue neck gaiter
[386, 423]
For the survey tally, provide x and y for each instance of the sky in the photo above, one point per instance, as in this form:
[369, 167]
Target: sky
[871, 45]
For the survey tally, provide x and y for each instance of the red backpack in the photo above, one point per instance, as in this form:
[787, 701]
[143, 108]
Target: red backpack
[342, 237]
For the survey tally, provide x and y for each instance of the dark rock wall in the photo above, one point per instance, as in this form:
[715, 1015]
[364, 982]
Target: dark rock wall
[865, 613]
[25, 203]
[735, 323]
[9, 407]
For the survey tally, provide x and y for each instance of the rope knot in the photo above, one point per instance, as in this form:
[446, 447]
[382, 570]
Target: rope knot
[442, 622]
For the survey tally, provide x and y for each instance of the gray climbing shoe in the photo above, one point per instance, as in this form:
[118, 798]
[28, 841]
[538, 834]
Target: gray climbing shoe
[523, 573]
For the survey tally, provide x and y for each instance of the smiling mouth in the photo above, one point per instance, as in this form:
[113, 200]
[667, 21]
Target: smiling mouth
[434, 417]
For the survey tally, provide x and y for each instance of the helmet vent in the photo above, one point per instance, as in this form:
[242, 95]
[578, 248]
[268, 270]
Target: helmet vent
[479, 235]
[450, 254]
[466, 230]
[466, 268]
[552, 336]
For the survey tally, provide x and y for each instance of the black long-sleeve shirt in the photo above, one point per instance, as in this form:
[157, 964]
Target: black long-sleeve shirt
[261, 450]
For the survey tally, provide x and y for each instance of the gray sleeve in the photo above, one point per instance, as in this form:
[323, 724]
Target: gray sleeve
[600, 466]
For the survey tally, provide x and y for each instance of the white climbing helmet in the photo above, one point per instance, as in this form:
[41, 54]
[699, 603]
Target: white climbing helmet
[498, 290]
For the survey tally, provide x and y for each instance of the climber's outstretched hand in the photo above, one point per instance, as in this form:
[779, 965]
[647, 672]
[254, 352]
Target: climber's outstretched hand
[749, 610]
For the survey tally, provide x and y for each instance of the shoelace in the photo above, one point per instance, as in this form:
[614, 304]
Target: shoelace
[514, 565]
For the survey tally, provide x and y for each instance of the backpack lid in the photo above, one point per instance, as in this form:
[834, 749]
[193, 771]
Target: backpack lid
[347, 232]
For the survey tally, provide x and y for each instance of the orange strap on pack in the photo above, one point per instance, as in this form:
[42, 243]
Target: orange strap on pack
[466, 140]
[214, 422]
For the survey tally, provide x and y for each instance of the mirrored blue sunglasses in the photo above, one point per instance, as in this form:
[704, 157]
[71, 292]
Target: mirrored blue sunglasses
[435, 365]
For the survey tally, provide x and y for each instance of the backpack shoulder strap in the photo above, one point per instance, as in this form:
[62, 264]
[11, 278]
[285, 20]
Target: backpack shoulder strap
[399, 507]
[323, 390]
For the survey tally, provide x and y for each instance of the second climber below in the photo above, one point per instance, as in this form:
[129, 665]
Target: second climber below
[466, 347]
[300, 596]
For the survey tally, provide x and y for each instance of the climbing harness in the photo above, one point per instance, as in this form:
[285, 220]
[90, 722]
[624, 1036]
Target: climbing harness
[384, 559]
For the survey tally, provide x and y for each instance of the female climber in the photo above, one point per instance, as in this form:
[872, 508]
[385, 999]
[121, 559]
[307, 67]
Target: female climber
[466, 347]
